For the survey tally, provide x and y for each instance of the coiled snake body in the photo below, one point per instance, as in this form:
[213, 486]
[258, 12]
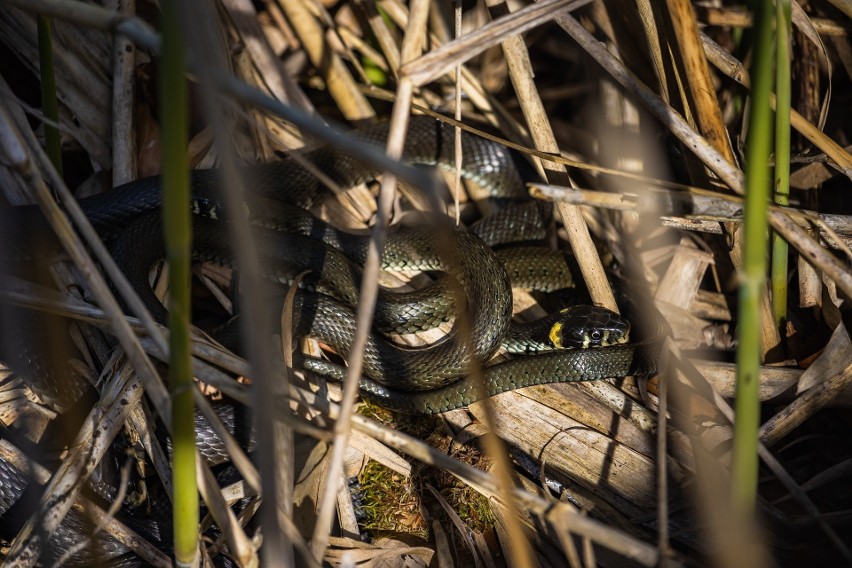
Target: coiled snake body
[391, 369]
[414, 380]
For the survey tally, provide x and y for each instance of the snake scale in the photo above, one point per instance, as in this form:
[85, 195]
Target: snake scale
[413, 380]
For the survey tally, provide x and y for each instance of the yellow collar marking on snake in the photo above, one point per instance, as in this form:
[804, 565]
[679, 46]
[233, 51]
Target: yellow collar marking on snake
[555, 335]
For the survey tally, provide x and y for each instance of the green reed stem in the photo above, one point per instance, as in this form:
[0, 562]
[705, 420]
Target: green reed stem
[752, 286]
[177, 226]
[782, 155]
[49, 105]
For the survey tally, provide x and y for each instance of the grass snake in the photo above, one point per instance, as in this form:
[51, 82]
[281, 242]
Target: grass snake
[290, 240]
[413, 380]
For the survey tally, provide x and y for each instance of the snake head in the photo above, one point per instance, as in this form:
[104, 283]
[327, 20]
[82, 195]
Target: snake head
[582, 327]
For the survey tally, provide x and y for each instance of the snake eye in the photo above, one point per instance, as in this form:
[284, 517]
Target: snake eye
[596, 335]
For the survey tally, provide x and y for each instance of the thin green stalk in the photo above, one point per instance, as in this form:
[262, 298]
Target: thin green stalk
[177, 226]
[782, 154]
[49, 106]
[752, 286]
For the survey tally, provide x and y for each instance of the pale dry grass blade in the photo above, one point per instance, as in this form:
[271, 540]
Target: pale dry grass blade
[696, 74]
[439, 61]
[341, 84]
[124, 59]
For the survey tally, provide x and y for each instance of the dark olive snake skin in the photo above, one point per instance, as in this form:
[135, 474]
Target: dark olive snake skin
[412, 380]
